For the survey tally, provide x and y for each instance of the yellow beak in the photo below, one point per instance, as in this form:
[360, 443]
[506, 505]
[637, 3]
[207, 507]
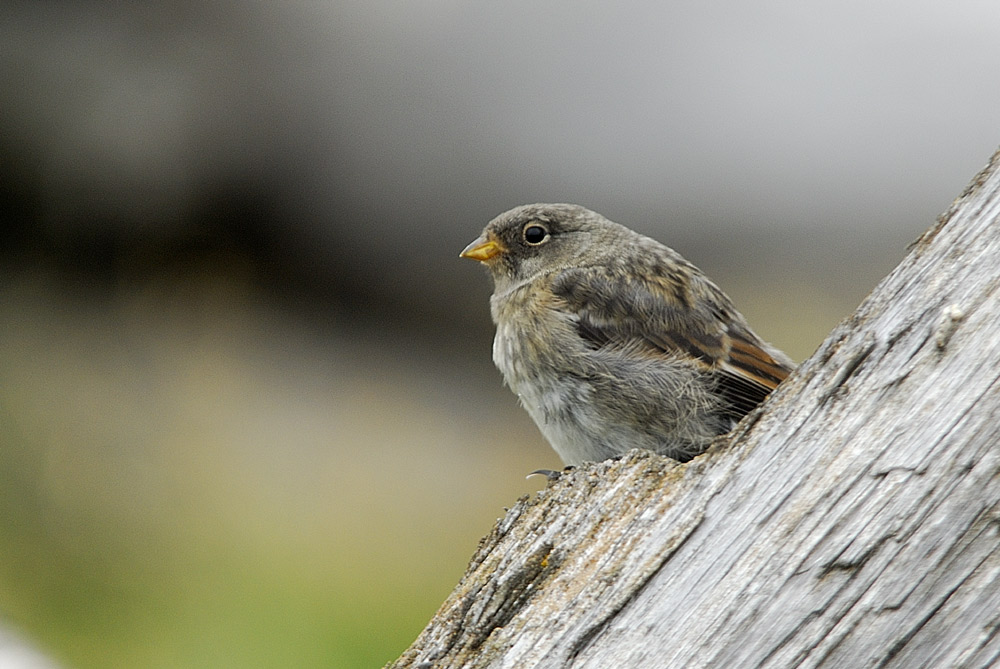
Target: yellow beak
[481, 249]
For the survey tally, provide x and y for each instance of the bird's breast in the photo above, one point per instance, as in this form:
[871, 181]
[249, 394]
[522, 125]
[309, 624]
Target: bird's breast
[534, 338]
[535, 348]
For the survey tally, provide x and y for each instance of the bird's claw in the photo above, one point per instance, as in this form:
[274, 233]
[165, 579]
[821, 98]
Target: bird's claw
[551, 474]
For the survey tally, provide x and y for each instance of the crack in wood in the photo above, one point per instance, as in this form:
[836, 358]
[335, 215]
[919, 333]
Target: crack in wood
[510, 595]
[850, 366]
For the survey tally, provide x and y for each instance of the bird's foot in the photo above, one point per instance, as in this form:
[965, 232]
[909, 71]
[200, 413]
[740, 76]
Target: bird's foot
[551, 474]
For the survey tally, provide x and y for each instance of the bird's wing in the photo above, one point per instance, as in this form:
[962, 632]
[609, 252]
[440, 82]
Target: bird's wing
[668, 315]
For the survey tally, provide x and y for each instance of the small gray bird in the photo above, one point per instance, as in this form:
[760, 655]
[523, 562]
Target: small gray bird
[613, 341]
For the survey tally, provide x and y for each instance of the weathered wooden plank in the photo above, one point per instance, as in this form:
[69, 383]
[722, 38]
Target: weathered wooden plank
[854, 521]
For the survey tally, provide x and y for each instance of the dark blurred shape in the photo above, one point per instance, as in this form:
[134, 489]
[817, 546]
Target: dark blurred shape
[345, 152]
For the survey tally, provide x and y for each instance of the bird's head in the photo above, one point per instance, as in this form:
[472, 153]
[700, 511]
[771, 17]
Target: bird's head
[533, 239]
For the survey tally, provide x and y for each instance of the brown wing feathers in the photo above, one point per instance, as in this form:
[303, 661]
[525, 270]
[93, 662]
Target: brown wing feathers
[754, 363]
[745, 372]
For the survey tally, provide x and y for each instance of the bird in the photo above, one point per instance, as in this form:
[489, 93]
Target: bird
[613, 341]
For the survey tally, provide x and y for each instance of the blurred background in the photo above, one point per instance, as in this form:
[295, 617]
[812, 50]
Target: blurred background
[248, 415]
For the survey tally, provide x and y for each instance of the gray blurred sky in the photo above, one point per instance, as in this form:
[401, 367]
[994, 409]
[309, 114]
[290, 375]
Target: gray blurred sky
[373, 139]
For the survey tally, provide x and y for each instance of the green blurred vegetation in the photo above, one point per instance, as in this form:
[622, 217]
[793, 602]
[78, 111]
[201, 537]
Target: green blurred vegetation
[190, 483]
[196, 585]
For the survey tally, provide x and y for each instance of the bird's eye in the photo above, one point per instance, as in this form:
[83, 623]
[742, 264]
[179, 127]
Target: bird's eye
[535, 233]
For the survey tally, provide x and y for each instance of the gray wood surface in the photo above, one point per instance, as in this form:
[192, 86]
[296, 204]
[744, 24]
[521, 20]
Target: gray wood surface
[853, 521]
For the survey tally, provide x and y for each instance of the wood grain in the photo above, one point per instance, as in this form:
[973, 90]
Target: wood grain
[852, 521]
